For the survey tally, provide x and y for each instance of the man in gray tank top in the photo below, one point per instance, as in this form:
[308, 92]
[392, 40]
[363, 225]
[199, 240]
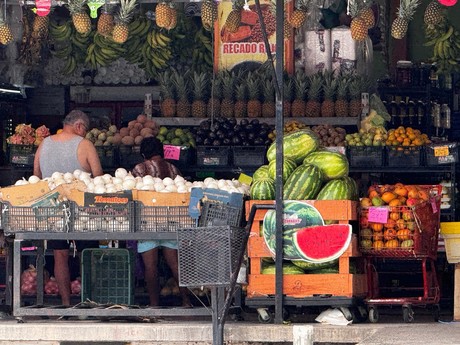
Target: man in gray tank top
[66, 152]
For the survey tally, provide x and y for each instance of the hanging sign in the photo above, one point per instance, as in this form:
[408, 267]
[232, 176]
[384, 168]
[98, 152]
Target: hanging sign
[42, 7]
[448, 2]
[378, 214]
[245, 47]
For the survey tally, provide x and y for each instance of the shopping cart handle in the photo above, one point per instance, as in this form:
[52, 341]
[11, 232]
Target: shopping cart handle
[256, 207]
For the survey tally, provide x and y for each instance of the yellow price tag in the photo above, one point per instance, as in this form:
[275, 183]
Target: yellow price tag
[441, 151]
[246, 179]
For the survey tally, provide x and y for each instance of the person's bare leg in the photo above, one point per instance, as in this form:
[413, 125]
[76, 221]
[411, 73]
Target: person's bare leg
[150, 259]
[170, 256]
[62, 274]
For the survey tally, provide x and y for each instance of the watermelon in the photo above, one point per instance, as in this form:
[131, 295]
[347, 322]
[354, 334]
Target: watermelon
[262, 189]
[332, 164]
[296, 145]
[289, 165]
[261, 172]
[338, 189]
[353, 187]
[322, 243]
[296, 215]
[288, 268]
[312, 266]
[304, 183]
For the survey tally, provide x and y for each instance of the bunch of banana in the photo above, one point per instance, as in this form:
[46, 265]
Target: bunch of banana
[103, 51]
[60, 32]
[156, 52]
[80, 43]
[138, 31]
[203, 53]
[63, 37]
[445, 39]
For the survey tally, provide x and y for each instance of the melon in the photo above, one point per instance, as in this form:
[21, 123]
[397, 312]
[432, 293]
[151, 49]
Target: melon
[288, 268]
[262, 189]
[333, 165]
[289, 165]
[296, 145]
[313, 266]
[324, 243]
[261, 172]
[304, 183]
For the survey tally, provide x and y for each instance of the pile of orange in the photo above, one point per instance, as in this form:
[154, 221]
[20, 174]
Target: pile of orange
[406, 136]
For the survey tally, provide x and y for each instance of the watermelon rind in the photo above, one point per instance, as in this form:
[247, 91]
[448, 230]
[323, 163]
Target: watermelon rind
[297, 215]
[261, 172]
[289, 165]
[325, 236]
[314, 266]
[304, 183]
[296, 145]
[262, 189]
[288, 268]
[333, 165]
[337, 189]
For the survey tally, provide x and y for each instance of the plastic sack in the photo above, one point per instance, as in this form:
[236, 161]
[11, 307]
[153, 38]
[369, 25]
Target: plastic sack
[333, 317]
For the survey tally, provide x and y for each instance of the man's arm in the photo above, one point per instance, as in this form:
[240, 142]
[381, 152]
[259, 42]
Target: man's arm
[92, 158]
[37, 171]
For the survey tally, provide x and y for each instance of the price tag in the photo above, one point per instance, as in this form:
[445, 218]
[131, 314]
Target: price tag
[171, 152]
[93, 7]
[441, 151]
[378, 215]
[243, 178]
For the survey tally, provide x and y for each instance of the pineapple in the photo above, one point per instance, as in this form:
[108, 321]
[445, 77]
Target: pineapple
[198, 83]
[6, 37]
[173, 16]
[329, 89]
[163, 15]
[228, 88]
[358, 25]
[300, 13]
[268, 106]
[208, 14]
[241, 105]
[232, 23]
[168, 103]
[287, 97]
[105, 23]
[80, 19]
[355, 94]
[120, 31]
[405, 13]
[254, 105]
[40, 26]
[213, 107]
[367, 15]
[341, 104]
[300, 88]
[181, 83]
[434, 13]
[313, 106]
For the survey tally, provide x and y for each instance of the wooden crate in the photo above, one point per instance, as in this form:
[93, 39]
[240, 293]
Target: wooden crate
[337, 284]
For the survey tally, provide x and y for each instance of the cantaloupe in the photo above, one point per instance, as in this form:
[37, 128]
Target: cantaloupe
[134, 132]
[145, 131]
[138, 140]
[128, 140]
[124, 131]
[141, 118]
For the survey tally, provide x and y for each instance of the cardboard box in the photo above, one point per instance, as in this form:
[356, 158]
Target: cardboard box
[317, 51]
[24, 194]
[151, 198]
[197, 194]
[92, 199]
[343, 50]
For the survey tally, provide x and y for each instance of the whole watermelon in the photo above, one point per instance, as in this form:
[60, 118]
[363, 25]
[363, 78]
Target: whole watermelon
[262, 189]
[338, 189]
[304, 183]
[288, 268]
[353, 187]
[289, 165]
[261, 172]
[332, 164]
[296, 145]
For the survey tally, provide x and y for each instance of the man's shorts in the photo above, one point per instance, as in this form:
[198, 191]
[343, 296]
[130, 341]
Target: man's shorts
[143, 246]
[63, 244]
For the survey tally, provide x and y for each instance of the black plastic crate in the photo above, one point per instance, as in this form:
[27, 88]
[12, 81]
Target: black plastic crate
[181, 156]
[403, 156]
[162, 218]
[218, 214]
[22, 155]
[108, 155]
[129, 156]
[248, 156]
[209, 255]
[212, 155]
[104, 218]
[107, 275]
[442, 153]
[366, 156]
[17, 219]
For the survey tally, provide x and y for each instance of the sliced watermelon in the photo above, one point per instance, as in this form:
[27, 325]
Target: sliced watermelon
[322, 243]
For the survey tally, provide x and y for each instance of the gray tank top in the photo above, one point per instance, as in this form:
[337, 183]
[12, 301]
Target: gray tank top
[59, 156]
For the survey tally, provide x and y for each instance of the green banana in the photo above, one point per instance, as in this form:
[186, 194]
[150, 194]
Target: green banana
[449, 33]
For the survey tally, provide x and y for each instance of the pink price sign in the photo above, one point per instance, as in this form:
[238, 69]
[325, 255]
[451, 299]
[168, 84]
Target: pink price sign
[171, 152]
[378, 214]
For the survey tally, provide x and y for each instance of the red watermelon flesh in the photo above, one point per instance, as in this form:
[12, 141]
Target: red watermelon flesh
[322, 243]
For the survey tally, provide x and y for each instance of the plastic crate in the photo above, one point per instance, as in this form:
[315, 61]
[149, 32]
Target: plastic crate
[108, 156]
[107, 275]
[108, 218]
[22, 155]
[16, 219]
[248, 156]
[212, 155]
[209, 255]
[366, 156]
[218, 214]
[180, 156]
[129, 156]
[162, 218]
[443, 153]
[399, 156]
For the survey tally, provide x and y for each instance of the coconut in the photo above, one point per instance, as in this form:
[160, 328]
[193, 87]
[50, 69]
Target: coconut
[134, 132]
[128, 140]
[142, 118]
[124, 131]
[138, 140]
[146, 131]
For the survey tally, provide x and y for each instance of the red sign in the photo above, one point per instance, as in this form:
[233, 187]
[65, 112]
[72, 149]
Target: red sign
[378, 214]
[171, 152]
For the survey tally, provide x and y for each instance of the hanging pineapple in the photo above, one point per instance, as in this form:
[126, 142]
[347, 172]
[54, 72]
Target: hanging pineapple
[80, 19]
[165, 15]
[300, 13]
[367, 15]
[105, 22]
[434, 13]
[232, 23]
[6, 37]
[120, 31]
[358, 25]
[173, 15]
[208, 14]
[40, 26]
[405, 13]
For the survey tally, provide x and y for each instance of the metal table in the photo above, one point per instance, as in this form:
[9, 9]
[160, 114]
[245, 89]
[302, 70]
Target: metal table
[39, 309]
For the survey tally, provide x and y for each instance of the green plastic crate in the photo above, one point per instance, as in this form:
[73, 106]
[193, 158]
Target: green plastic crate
[107, 275]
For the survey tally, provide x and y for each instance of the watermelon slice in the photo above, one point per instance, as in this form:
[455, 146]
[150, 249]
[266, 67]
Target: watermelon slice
[43, 7]
[322, 243]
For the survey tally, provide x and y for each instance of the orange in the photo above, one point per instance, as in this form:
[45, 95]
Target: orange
[388, 196]
[392, 244]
